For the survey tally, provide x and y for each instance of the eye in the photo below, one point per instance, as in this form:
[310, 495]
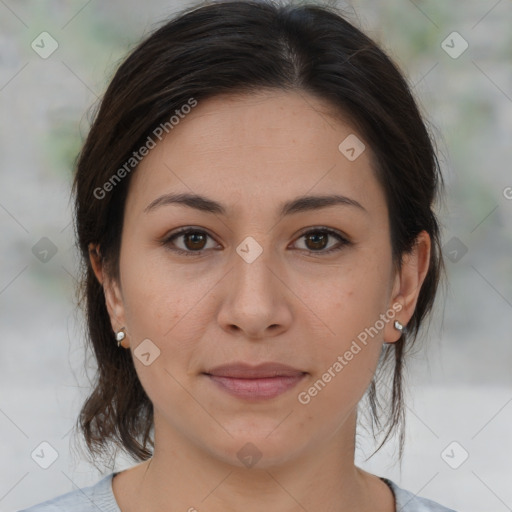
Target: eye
[194, 241]
[317, 239]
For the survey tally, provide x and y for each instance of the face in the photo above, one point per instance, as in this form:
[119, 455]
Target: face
[259, 277]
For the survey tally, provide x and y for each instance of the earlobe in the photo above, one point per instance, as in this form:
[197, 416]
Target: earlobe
[409, 280]
[113, 297]
[114, 302]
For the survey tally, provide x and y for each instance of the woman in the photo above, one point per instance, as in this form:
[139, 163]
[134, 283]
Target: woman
[254, 209]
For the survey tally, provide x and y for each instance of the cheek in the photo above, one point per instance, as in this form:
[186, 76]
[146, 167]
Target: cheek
[154, 299]
[348, 343]
[167, 303]
[345, 362]
[347, 302]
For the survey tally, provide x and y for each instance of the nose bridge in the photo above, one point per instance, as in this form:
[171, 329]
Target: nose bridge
[253, 300]
[252, 276]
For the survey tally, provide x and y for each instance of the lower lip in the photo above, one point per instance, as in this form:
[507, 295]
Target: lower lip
[256, 389]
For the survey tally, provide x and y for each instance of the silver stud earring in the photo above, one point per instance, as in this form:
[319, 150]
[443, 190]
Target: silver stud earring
[120, 336]
[400, 327]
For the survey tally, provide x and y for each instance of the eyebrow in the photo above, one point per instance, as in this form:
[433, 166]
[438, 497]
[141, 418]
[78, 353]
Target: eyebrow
[297, 205]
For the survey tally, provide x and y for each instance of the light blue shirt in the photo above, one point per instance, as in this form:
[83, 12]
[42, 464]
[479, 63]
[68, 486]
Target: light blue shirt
[100, 498]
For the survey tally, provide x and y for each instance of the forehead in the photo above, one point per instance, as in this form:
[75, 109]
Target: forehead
[267, 146]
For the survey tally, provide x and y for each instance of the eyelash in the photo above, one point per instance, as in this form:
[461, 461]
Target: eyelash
[185, 231]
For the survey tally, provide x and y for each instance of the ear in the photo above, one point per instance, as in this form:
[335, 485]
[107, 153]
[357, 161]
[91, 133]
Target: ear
[111, 289]
[407, 285]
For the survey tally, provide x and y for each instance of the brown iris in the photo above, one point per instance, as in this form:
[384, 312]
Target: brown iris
[196, 239]
[319, 240]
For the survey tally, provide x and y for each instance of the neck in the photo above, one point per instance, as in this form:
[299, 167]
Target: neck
[323, 477]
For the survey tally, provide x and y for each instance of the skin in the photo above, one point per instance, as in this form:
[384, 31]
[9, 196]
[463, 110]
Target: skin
[291, 305]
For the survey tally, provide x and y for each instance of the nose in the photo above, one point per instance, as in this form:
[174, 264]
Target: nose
[255, 301]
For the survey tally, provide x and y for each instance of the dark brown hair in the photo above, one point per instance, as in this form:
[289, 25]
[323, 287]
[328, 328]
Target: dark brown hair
[233, 47]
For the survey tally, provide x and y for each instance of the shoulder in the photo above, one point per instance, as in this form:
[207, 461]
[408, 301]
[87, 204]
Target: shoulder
[406, 501]
[87, 499]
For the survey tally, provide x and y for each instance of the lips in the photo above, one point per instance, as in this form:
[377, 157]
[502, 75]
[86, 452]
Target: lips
[261, 371]
[260, 382]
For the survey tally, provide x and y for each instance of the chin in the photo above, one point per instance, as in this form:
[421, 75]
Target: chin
[254, 448]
